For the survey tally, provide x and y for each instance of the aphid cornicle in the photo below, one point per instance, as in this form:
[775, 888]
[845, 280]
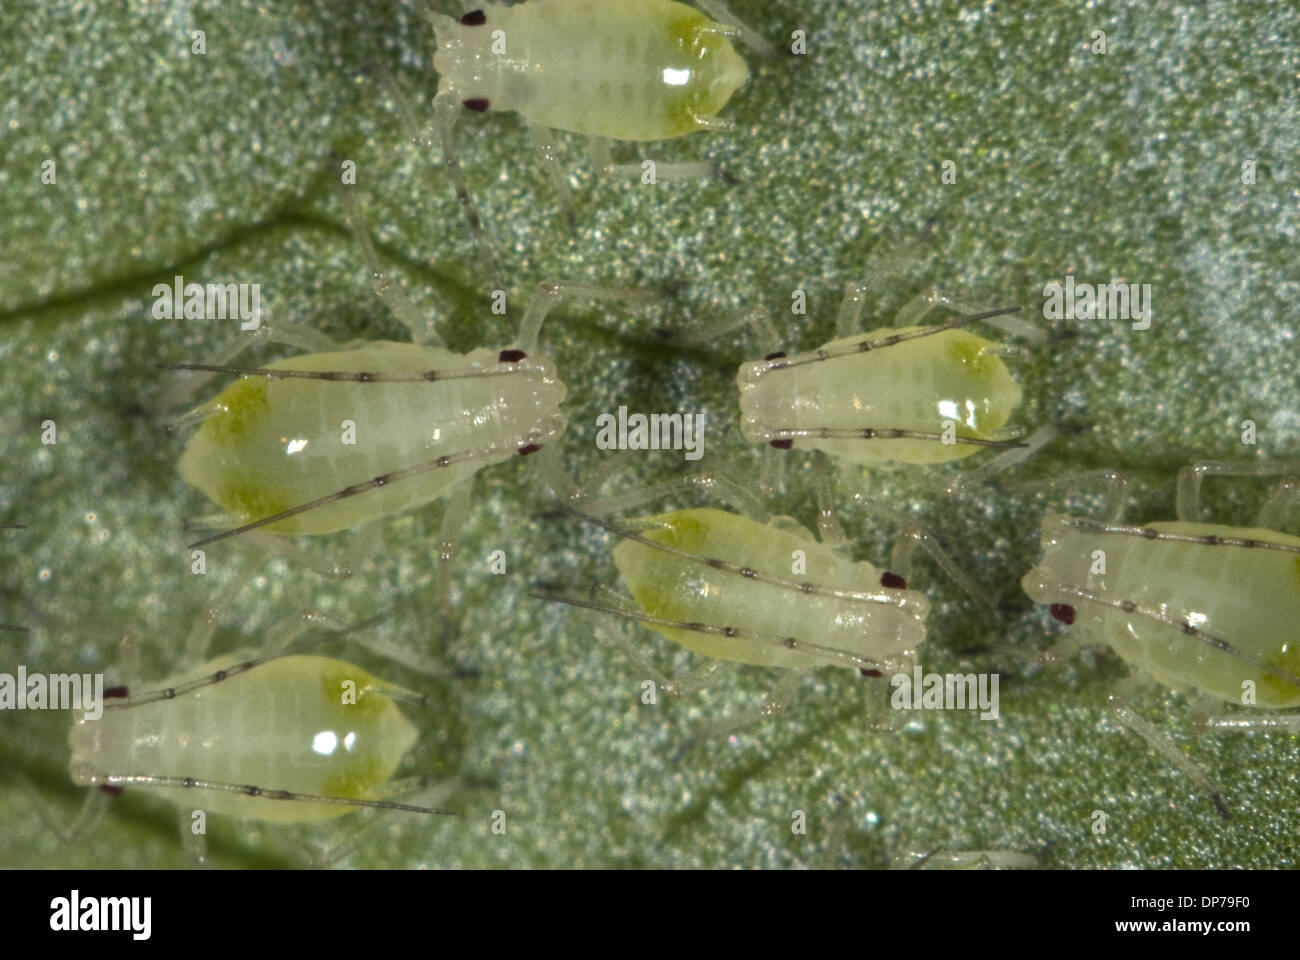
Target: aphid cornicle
[333, 438]
[632, 70]
[1205, 609]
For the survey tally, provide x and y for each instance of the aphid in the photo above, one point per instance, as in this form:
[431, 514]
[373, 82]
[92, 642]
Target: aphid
[742, 589]
[904, 394]
[284, 737]
[1205, 609]
[338, 437]
[635, 70]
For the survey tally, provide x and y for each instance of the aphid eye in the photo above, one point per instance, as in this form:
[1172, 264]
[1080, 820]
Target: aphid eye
[510, 356]
[1063, 612]
[892, 581]
[783, 444]
[114, 692]
[477, 104]
[530, 448]
[775, 356]
[112, 789]
[475, 18]
[874, 674]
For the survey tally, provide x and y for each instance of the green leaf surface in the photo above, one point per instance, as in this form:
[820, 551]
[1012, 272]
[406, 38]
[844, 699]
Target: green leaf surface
[1125, 166]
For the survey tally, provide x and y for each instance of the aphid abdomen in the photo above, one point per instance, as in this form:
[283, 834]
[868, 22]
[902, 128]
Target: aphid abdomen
[283, 726]
[1246, 596]
[624, 70]
[274, 444]
[922, 385]
[675, 588]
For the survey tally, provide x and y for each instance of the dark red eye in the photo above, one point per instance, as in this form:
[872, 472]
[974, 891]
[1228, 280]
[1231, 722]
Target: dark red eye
[775, 356]
[783, 444]
[874, 674]
[475, 18]
[477, 104]
[111, 693]
[1063, 612]
[529, 448]
[510, 356]
[112, 789]
[892, 581]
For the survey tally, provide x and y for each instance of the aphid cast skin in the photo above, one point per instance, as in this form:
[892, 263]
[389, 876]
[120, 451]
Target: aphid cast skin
[336, 437]
[634, 70]
[1205, 609]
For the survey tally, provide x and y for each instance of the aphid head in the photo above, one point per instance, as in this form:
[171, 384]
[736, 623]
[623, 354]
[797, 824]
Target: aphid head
[467, 66]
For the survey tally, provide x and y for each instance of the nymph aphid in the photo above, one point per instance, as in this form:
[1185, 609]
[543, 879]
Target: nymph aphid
[342, 436]
[287, 736]
[740, 588]
[611, 69]
[908, 394]
[1205, 609]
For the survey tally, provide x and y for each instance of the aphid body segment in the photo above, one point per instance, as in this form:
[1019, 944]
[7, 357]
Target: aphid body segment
[270, 444]
[839, 604]
[1173, 594]
[622, 69]
[311, 725]
[884, 396]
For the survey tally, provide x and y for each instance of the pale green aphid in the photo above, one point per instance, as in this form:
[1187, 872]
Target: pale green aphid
[317, 736]
[740, 589]
[840, 610]
[336, 438]
[906, 394]
[1209, 610]
[631, 70]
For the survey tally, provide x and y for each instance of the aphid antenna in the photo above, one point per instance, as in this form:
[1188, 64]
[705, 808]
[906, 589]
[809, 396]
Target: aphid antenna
[787, 643]
[888, 596]
[779, 434]
[523, 444]
[503, 368]
[1185, 626]
[866, 346]
[120, 698]
[119, 780]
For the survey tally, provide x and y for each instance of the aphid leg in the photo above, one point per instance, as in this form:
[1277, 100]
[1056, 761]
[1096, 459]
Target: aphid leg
[756, 318]
[1274, 513]
[446, 110]
[385, 286]
[1116, 495]
[1118, 700]
[740, 31]
[341, 569]
[562, 485]
[205, 624]
[602, 159]
[453, 524]
[915, 310]
[544, 143]
[776, 704]
[709, 479]
[828, 525]
[912, 534]
[835, 839]
[941, 859]
[550, 294]
[1004, 460]
[1188, 509]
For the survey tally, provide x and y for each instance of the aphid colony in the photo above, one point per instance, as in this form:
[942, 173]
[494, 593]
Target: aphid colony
[339, 437]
